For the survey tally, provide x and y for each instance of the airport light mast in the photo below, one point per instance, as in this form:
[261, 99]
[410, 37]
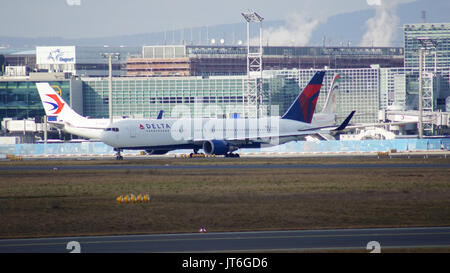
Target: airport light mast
[427, 45]
[254, 65]
[110, 56]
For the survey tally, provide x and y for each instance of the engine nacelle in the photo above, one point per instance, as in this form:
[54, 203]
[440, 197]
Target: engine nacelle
[217, 147]
[157, 152]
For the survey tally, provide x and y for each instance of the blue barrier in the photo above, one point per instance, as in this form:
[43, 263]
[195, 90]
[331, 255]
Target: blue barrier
[334, 146]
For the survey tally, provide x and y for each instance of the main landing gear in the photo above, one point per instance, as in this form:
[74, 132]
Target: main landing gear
[118, 156]
[231, 155]
[196, 154]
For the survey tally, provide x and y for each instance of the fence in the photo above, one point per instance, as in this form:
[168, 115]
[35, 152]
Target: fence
[334, 146]
[352, 146]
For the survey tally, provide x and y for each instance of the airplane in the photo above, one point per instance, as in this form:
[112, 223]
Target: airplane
[221, 136]
[63, 117]
[60, 115]
[328, 114]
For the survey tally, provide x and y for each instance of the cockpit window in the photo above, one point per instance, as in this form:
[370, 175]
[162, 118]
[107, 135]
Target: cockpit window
[112, 129]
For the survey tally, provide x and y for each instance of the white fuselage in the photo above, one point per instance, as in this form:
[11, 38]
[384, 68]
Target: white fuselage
[153, 133]
[84, 127]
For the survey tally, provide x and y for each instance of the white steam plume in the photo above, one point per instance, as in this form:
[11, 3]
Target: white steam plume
[382, 28]
[73, 2]
[296, 32]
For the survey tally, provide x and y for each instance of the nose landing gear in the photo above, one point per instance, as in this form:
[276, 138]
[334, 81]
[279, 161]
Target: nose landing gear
[118, 156]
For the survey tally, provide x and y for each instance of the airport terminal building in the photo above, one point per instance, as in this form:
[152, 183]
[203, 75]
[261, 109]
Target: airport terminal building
[153, 78]
[212, 60]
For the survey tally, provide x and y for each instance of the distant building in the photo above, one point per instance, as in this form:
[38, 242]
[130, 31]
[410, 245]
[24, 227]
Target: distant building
[190, 60]
[82, 60]
[436, 83]
[144, 97]
[440, 32]
[154, 78]
[19, 97]
[75, 60]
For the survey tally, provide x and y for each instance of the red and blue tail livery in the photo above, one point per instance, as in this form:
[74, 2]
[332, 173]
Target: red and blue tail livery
[58, 106]
[60, 115]
[302, 109]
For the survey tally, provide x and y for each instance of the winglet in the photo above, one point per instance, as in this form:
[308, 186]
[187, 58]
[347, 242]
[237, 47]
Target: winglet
[160, 114]
[345, 123]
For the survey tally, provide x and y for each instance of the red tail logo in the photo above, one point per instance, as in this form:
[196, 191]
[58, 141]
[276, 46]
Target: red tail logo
[58, 106]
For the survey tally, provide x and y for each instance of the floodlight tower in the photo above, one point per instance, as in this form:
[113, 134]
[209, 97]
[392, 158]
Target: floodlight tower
[254, 59]
[254, 64]
[110, 56]
[428, 45]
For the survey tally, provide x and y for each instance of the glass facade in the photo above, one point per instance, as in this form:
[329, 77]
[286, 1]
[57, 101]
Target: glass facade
[358, 90]
[393, 88]
[281, 87]
[145, 97]
[438, 58]
[293, 51]
[327, 51]
[194, 60]
[364, 90]
[440, 32]
[20, 99]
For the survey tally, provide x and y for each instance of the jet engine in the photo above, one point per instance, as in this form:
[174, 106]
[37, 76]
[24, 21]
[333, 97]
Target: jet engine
[217, 147]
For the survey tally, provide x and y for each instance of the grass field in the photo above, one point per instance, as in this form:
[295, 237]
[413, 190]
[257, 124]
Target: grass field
[37, 202]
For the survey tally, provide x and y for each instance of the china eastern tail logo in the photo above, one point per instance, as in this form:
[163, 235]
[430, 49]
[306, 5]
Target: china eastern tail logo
[58, 106]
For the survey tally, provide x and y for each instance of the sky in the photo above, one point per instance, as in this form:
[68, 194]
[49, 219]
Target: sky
[104, 18]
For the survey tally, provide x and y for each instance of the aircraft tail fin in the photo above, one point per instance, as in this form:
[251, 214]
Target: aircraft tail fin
[160, 114]
[302, 109]
[331, 100]
[56, 109]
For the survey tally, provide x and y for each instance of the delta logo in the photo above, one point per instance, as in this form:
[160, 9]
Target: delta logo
[156, 126]
[58, 106]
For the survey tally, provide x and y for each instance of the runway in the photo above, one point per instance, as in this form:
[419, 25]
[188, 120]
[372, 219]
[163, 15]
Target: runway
[57, 166]
[260, 241]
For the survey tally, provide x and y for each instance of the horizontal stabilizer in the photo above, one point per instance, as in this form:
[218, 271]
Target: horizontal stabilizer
[345, 123]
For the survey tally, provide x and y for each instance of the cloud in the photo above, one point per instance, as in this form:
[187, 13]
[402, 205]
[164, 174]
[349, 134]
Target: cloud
[382, 28]
[73, 2]
[374, 2]
[296, 32]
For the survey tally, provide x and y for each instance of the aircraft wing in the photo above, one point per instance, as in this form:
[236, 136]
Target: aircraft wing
[56, 124]
[61, 125]
[297, 133]
[320, 130]
[365, 125]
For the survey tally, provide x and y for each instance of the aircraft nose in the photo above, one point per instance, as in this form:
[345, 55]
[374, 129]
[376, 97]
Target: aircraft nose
[105, 137]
